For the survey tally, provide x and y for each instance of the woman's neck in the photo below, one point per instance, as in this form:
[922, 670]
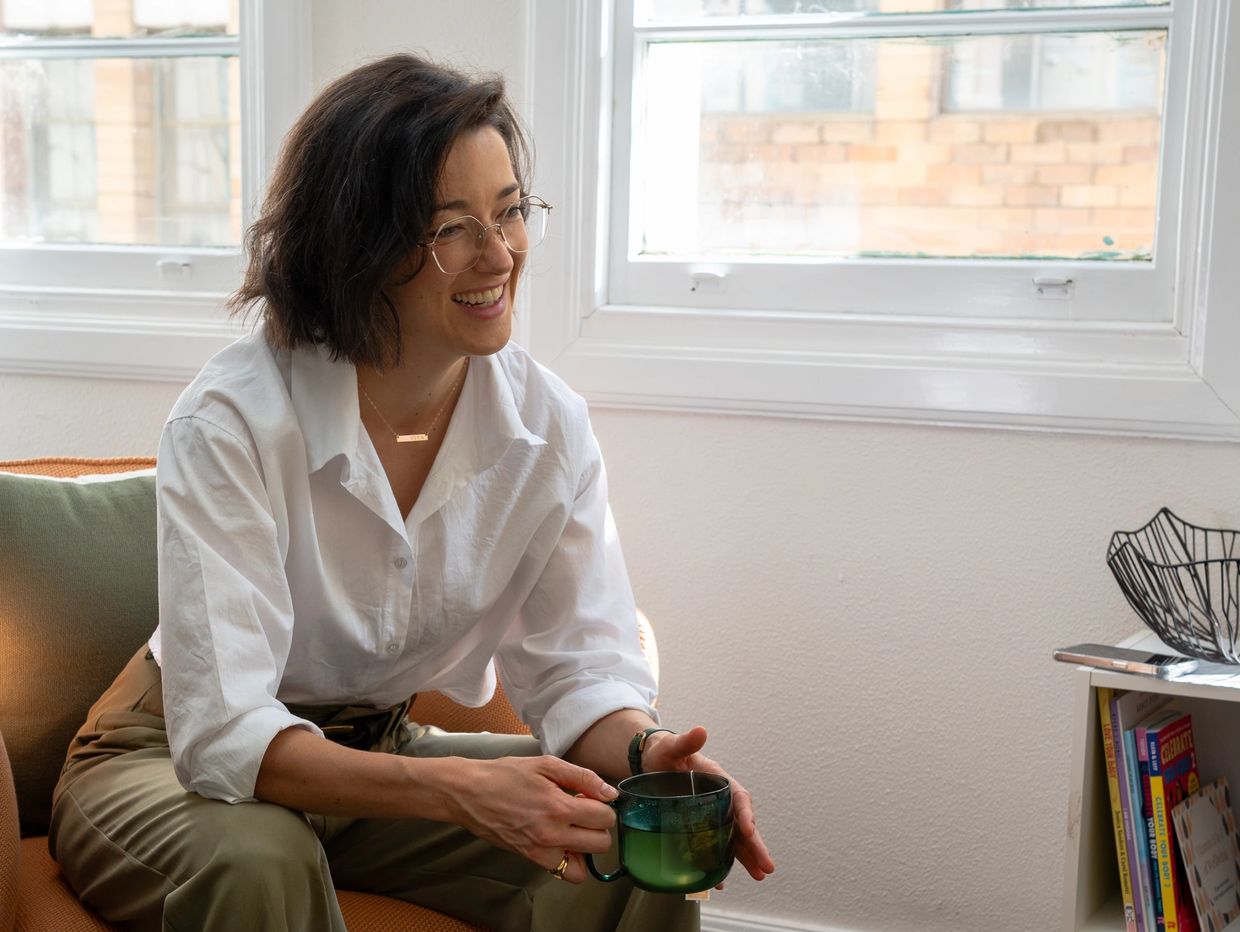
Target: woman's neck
[408, 396]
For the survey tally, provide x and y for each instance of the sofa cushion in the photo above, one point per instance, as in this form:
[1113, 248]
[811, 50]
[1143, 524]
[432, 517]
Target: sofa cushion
[77, 598]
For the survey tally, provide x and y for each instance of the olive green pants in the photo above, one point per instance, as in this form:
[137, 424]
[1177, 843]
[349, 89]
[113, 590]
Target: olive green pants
[141, 850]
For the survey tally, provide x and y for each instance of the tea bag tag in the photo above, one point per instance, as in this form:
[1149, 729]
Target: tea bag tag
[701, 896]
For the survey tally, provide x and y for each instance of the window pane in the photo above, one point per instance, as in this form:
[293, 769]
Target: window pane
[73, 18]
[657, 10]
[961, 147]
[120, 151]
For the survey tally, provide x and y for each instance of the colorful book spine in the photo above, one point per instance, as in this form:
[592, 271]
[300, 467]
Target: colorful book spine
[1105, 696]
[1151, 839]
[1148, 921]
[1173, 778]
[1133, 708]
[1127, 800]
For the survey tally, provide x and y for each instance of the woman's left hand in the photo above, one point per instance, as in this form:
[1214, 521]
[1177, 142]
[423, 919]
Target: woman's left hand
[666, 751]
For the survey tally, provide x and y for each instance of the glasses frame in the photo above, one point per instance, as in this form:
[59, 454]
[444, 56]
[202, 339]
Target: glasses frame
[530, 200]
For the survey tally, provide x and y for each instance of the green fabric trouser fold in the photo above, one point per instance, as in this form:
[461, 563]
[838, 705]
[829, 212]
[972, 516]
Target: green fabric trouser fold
[142, 851]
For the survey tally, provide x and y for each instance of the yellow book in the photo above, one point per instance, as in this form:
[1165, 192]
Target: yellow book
[1117, 811]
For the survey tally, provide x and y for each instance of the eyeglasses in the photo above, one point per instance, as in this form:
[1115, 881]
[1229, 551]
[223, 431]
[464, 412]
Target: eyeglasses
[457, 245]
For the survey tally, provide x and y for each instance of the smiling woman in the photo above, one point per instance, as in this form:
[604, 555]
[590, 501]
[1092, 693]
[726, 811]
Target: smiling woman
[373, 495]
[356, 194]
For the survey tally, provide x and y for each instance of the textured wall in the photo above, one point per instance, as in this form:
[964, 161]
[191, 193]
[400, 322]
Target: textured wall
[49, 416]
[862, 614]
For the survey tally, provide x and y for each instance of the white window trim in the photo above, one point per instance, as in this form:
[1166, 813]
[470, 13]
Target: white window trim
[163, 331]
[1175, 377]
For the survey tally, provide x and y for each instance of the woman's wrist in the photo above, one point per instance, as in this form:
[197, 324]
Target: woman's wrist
[641, 743]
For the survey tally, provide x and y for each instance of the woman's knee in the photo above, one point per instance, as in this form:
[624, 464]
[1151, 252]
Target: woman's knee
[261, 837]
[261, 861]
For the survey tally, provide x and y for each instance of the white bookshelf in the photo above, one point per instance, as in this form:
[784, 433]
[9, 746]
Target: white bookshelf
[1091, 879]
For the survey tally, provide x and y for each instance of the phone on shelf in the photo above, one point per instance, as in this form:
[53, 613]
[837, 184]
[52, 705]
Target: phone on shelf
[1126, 660]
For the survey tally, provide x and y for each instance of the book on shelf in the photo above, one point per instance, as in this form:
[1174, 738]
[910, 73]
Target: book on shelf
[1173, 778]
[1121, 827]
[1157, 922]
[1128, 709]
[1205, 827]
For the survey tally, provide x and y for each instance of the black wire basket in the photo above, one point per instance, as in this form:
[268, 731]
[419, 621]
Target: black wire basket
[1184, 582]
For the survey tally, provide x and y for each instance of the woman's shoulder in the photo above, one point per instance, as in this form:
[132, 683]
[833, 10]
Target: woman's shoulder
[536, 388]
[246, 381]
[544, 401]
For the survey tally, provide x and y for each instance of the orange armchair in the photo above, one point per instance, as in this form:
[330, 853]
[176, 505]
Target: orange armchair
[76, 666]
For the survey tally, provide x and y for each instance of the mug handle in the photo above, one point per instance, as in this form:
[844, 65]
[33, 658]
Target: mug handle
[598, 875]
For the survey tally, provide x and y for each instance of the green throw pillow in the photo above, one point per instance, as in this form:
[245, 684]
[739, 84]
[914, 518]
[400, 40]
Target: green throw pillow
[77, 598]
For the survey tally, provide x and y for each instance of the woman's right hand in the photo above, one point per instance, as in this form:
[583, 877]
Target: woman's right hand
[542, 808]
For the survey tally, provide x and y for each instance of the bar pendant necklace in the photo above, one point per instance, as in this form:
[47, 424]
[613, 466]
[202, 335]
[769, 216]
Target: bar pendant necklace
[418, 438]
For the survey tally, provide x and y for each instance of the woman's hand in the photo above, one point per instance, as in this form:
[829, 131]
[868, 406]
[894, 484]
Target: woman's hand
[666, 751]
[521, 804]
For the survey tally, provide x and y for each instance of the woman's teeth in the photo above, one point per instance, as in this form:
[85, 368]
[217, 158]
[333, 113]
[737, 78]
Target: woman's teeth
[479, 298]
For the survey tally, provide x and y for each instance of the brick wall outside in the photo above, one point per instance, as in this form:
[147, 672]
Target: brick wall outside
[908, 177]
[943, 184]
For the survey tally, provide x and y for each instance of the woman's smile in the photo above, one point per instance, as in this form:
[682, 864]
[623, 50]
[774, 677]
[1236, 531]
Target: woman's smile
[483, 304]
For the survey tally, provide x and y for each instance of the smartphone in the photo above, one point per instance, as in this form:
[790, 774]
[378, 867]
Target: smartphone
[1129, 661]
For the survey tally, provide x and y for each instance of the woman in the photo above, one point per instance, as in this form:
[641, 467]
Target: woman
[377, 494]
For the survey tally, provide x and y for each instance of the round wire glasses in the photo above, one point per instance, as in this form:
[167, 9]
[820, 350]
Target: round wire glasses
[457, 245]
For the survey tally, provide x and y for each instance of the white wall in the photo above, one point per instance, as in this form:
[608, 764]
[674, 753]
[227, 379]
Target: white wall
[862, 614]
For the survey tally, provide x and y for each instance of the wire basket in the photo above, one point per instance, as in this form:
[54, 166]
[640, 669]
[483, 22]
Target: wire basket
[1184, 582]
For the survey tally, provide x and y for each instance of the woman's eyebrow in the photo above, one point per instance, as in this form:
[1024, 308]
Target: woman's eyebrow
[508, 191]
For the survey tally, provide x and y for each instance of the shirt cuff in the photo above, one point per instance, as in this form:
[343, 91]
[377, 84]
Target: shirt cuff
[225, 767]
[568, 719]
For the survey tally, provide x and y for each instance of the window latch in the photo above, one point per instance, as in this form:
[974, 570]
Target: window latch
[170, 268]
[1053, 288]
[707, 280]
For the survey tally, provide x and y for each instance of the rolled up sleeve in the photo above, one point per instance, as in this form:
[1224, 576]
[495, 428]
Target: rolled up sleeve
[573, 654]
[225, 612]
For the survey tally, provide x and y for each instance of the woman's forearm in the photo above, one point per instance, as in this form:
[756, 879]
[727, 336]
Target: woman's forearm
[302, 771]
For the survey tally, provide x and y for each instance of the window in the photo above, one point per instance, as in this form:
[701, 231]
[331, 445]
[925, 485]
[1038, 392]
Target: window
[133, 139]
[104, 100]
[970, 210]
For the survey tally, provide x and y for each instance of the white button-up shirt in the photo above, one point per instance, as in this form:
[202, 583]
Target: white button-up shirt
[287, 575]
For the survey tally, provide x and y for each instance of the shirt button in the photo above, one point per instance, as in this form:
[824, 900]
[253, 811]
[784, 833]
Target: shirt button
[400, 563]
[392, 648]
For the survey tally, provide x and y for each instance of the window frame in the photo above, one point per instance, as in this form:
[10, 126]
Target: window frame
[155, 311]
[1165, 376]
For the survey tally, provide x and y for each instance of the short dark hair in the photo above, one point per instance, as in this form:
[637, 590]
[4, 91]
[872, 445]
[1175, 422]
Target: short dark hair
[352, 194]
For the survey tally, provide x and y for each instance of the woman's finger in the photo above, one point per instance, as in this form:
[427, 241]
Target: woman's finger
[580, 780]
[753, 854]
[574, 870]
[582, 839]
[742, 810]
[583, 812]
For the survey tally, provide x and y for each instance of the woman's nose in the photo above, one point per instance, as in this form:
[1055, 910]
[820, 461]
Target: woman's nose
[495, 252]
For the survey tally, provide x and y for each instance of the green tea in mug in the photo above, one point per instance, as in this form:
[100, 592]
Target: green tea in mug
[675, 831]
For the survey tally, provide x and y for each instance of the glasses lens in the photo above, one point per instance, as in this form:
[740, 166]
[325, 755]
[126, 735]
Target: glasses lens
[535, 220]
[457, 245]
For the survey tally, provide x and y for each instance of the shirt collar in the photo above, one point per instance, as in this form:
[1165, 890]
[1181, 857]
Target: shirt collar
[486, 422]
[324, 395]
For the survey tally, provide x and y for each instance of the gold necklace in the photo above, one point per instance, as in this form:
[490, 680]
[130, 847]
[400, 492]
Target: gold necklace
[417, 438]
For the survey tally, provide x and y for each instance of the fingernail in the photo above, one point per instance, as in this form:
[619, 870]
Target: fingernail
[609, 791]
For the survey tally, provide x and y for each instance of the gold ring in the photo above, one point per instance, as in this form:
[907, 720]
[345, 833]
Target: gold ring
[560, 868]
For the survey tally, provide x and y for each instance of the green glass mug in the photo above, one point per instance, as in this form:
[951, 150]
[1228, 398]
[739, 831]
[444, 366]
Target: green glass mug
[675, 831]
